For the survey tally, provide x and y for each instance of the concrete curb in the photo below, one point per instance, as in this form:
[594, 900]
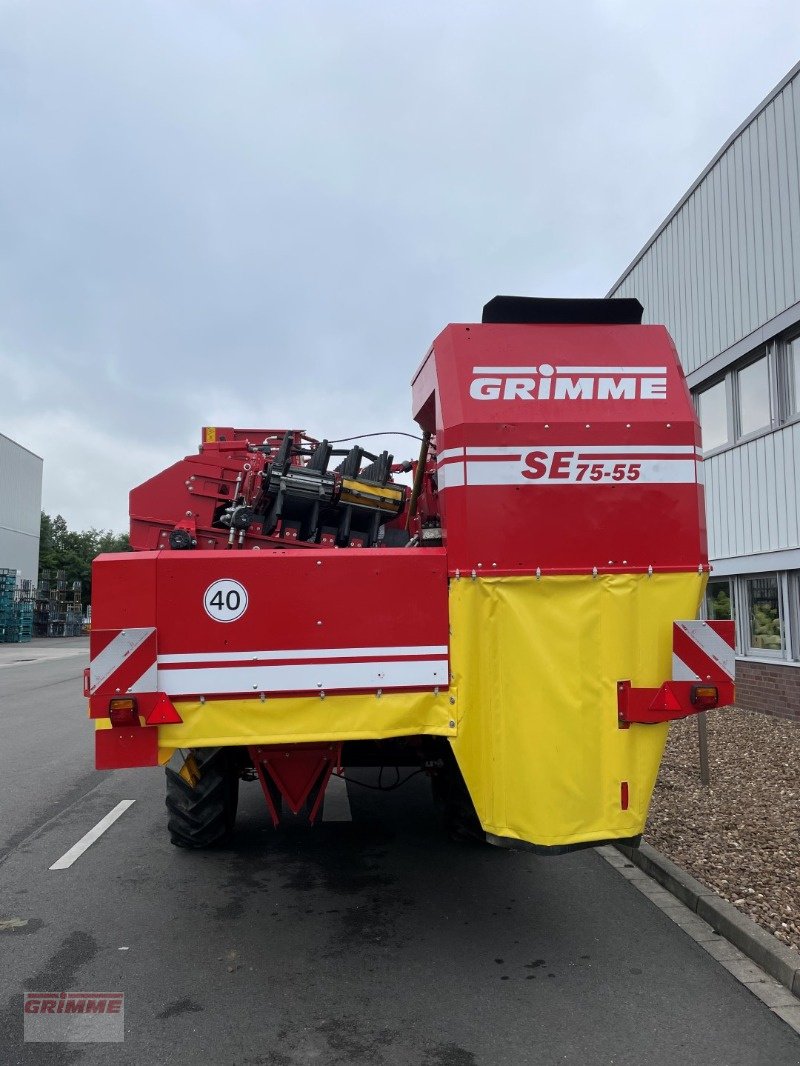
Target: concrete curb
[760, 946]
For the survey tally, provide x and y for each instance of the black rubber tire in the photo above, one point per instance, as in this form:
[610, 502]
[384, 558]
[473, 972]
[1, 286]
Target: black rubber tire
[204, 816]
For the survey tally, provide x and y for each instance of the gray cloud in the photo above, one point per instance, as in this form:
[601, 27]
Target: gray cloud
[262, 213]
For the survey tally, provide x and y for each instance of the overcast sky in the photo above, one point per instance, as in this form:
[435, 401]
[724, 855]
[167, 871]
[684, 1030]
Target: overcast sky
[261, 213]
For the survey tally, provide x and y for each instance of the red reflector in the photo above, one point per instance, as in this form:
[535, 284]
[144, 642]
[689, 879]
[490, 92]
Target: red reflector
[163, 712]
[665, 699]
[623, 795]
[123, 712]
[705, 695]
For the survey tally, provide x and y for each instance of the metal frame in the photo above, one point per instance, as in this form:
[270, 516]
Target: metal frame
[724, 380]
[792, 411]
[793, 612]
[747, 648]
[789, 607]
[766, 356]
[731, 582]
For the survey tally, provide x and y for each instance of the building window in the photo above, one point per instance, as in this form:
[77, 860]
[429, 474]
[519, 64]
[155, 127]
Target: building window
[764, 609]
[753, 397]
[793, 374]
[719, 600]
[712, 409]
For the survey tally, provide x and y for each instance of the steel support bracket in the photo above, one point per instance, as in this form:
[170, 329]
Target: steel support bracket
[671, 702]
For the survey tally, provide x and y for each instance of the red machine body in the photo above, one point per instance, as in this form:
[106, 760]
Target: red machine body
[599, 432]
[293, 601]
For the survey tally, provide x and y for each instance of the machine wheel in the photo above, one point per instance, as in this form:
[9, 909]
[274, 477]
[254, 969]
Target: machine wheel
[203, 816]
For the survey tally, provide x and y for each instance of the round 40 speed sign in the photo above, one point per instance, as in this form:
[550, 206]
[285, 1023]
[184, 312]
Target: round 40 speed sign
[225, 600]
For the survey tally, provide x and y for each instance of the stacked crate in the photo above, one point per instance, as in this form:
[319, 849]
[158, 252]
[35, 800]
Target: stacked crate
[22, 626]
[74, 619]
[58, 609]
[8, 584]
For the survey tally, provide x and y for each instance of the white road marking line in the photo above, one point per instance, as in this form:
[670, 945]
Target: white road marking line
[336, 806]
[75, 852]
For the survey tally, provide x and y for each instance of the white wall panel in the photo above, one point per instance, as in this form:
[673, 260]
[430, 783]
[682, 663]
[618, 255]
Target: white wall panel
[728, 259]
[752, 495]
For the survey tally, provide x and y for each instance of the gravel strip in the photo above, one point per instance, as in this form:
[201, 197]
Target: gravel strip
[741, 835]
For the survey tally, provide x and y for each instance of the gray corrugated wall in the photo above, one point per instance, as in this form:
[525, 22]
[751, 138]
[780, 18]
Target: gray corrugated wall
[20, 508]
[752, 503]
[729, 260]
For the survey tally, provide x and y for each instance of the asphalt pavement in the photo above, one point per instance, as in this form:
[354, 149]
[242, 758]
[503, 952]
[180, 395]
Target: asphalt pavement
[370, 939]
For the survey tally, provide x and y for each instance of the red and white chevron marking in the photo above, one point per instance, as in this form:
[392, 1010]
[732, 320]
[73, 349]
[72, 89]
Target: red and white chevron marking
[703, 651]
[123, 660]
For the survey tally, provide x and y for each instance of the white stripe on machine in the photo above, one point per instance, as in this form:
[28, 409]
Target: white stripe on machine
[571, 464]
[245, 658]
[587, 449]
[450, 453]
[648, 472]
[450, 476]
[305, 677]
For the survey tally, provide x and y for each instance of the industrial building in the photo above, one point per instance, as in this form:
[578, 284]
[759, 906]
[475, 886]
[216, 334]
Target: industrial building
[20, 508]
[723, 274]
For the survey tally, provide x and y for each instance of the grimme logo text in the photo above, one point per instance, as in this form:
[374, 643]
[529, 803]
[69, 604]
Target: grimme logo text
[73, 1002]
[547, 382]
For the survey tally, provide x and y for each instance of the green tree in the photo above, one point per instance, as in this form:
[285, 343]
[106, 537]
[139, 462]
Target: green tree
[61, 548]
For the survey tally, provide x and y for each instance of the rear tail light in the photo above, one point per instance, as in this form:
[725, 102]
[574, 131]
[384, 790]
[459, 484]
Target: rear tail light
[704, 696]
[123, 712]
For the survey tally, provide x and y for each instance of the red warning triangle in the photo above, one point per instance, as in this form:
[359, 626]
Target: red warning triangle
[163, 712]
[666, 700]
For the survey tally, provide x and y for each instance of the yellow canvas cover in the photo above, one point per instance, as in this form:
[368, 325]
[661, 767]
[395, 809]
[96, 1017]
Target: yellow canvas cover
[536, 664]
[300, 719]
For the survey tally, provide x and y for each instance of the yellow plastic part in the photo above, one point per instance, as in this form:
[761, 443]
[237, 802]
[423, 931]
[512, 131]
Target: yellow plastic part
[536, 664]
[383, 497]
[298, 719]
[189, 771]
